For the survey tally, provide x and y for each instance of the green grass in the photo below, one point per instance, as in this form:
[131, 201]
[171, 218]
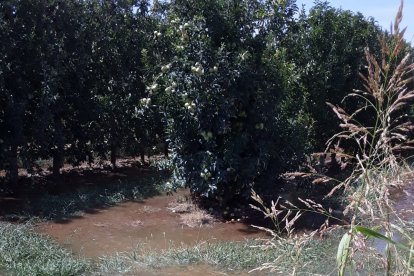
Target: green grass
[318, 257]
[24, 252]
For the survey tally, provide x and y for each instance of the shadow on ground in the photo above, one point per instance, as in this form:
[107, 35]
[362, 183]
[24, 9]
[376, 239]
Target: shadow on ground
[78, 191]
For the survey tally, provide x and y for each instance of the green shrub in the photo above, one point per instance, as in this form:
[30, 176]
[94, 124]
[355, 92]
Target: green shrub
[328, 48]
[233, 103]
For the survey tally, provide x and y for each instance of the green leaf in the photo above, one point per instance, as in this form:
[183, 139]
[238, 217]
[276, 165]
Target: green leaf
[343, 252]
[375, 234]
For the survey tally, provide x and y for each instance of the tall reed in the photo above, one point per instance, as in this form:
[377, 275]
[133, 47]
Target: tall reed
[380, 138]
[379, 164]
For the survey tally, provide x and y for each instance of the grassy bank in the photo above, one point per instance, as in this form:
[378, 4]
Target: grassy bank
[24, 252]
[317, 258]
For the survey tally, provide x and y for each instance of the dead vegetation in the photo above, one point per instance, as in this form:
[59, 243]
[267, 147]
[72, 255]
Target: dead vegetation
[190, 214]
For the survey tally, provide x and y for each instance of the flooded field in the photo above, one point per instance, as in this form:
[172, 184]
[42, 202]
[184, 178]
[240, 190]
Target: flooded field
[150, 222]
[93, 213]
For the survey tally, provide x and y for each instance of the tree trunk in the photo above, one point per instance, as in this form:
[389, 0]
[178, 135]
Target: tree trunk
[166, 149]
[142, 157]
[90, 158]
[13, 170]
[59, 152]
[113, 156]
[149, 156]
[14, 124]
[58, 157]
[27, 163]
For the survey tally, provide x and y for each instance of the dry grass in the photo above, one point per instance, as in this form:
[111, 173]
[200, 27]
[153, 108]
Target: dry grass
[197, 218]
[190, 214]
[182, 207]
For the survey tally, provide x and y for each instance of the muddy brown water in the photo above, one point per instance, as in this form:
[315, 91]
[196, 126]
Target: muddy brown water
[121, 228]
[403, 198]
[150, 222]
[404, 201]
[104, 231]
[194, 270]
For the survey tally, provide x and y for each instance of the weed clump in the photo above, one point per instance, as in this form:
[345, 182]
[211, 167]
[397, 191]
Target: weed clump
[24, 252]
